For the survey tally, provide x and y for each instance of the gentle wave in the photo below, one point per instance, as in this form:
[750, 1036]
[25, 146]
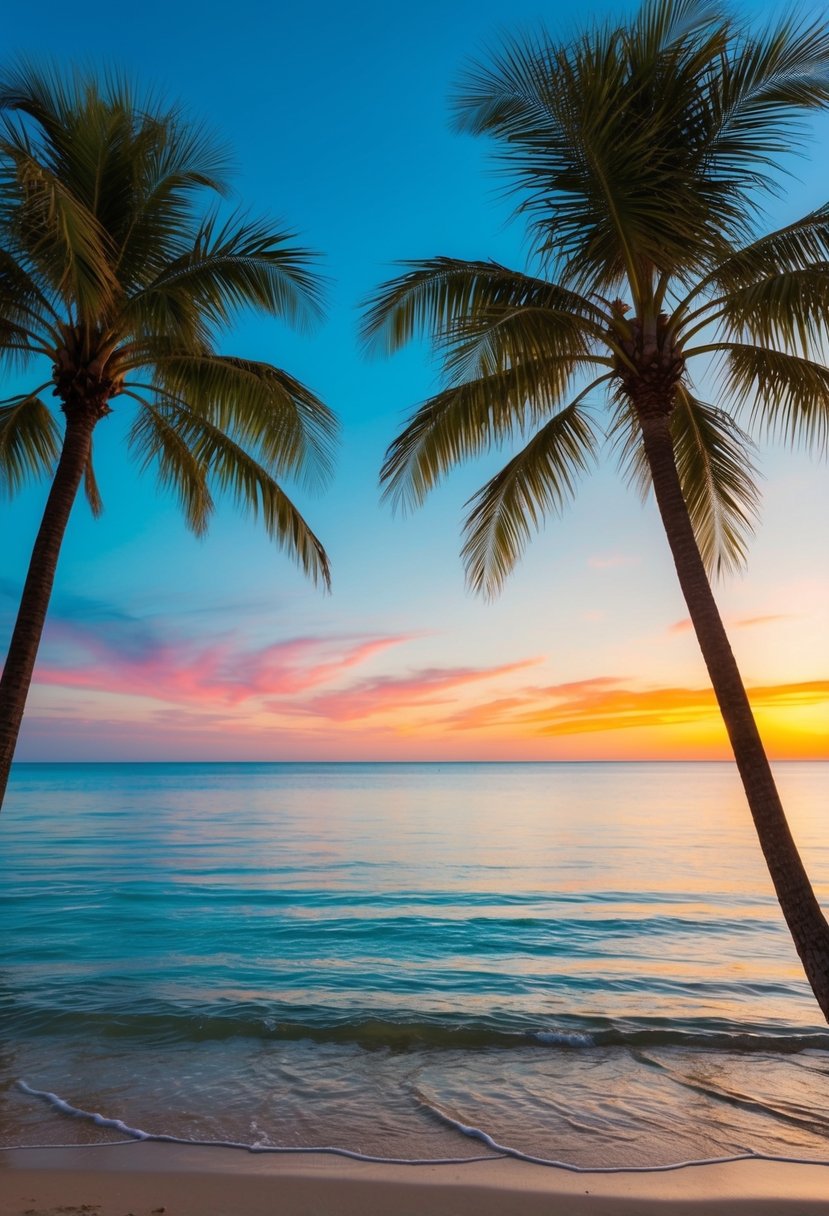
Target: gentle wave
[505, 1150]
[414, 1032]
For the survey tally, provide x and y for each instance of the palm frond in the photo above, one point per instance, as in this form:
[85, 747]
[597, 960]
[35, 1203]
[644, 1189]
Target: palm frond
[54, 228]
[798, 249]
[715, 462]
[788, 308]
[625, 439]
[437, 298]
[540, 480]
[489, 341]
[239, 264]
[797, 245]
[291, 429]
[505, 96]
[466, 420]
[786, 395]
[18, 347]
[90, 487]
[22, 301]
[29, 441]
[660, 24]
[765, 84]
[644, 144]
[157, 440]
[250, 485]
[45, 96]
[795, 249]
[159, 225]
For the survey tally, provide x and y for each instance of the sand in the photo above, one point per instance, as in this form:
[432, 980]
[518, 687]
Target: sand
[143, 1179]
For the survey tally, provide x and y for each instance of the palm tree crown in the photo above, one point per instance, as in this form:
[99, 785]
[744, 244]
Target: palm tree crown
[113, 271]
[637, 153]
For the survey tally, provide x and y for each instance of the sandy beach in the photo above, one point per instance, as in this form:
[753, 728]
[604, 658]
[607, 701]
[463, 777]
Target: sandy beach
[169, 1180]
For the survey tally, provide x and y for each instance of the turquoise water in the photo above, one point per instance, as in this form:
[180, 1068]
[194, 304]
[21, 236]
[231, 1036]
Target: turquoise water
[584, 962]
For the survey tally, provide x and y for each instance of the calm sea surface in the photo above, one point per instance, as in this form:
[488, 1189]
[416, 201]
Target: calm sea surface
[585, 962]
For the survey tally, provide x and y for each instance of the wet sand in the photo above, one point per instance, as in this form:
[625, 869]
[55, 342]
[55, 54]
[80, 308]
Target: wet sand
[142, 1179]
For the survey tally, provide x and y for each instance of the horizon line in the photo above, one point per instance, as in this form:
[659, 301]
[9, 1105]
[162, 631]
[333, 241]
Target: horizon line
[637, 760]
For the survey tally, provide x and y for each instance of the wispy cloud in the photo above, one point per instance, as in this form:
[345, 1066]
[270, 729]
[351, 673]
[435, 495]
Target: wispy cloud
[223, 672]
[388, 694]
[742, 622]
[608, 703]
[747, 622]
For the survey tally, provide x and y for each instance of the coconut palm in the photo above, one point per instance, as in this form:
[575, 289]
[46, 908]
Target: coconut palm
[117, 278]
[637, 153]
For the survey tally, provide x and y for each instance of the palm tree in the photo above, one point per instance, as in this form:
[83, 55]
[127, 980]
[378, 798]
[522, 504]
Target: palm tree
[637, 153]
[117, 275]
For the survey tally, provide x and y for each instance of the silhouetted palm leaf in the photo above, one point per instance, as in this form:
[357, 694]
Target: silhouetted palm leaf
[193, 451]
[29, 441]
[469, 419]
[540, 480]
[786, 394]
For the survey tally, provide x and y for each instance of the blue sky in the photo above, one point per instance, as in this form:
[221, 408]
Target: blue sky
[339, 124]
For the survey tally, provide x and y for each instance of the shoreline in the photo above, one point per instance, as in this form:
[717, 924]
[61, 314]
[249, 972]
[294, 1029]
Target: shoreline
[142, 1178]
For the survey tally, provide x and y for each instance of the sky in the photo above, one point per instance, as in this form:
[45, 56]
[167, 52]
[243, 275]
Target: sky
[163, 647]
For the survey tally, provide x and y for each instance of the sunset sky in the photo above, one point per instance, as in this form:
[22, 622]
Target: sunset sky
[163, 647]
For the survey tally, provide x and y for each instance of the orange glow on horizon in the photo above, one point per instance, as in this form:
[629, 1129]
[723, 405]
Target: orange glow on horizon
[455, 714]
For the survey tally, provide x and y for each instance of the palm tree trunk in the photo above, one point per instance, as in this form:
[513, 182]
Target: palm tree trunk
[804, 917]
[37, 590]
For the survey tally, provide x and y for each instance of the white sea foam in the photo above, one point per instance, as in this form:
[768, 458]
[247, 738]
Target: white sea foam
[466, 1129]
[506, 1150]
[137, 1133]
[563, 1038]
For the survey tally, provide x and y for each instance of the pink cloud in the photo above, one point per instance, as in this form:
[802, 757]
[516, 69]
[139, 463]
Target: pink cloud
[745, 622]
[386, 694]
[221, 673]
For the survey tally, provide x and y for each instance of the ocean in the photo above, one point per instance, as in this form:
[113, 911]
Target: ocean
[581, 963]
